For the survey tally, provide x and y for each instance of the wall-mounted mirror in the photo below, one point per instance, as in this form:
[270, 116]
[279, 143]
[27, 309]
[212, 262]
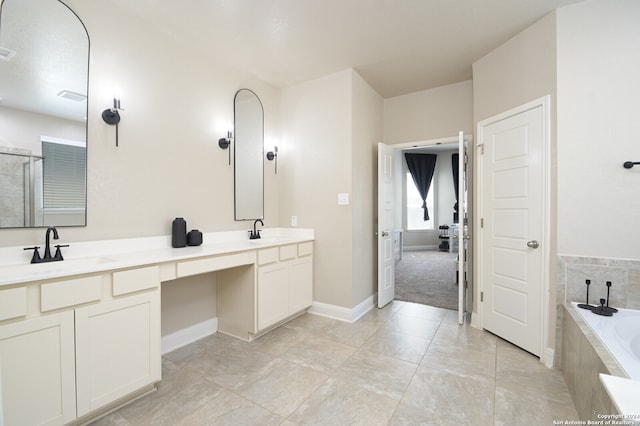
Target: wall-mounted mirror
[44, 73]
[248, 156]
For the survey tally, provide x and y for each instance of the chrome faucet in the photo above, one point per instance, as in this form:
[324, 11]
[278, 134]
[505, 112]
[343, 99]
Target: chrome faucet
[255, 234]
[47, 248]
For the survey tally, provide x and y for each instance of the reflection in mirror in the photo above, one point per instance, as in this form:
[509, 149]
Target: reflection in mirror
[248, 156]
[44, 70]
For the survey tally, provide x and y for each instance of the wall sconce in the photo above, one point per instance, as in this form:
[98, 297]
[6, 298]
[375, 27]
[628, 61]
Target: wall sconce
[273, 155]
[112, 116]
[225, 143]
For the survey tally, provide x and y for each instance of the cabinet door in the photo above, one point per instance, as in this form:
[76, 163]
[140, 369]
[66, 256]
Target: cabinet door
[118, 348]
[273, 294]
[300, 284]
[37, 371]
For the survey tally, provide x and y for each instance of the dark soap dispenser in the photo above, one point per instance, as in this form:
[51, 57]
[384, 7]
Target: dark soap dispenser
[179, 233]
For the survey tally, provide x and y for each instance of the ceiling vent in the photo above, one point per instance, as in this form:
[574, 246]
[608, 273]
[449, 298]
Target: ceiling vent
[6, 54]
[72, 96]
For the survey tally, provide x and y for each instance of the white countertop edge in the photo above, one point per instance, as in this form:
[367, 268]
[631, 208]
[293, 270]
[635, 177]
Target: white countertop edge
[103, 255]
[624, 393]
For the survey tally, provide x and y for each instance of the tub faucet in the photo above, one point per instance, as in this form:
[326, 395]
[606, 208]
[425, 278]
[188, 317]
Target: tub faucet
[255, 234]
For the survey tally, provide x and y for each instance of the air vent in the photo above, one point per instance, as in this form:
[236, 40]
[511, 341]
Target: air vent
[6, 54]
[72, 96]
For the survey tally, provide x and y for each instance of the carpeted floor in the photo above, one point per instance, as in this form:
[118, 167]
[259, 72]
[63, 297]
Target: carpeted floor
[427, 277]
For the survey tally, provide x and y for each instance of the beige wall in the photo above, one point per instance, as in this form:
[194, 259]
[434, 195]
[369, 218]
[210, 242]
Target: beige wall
[598, 128]
[366, 111]
[331, 127]
[315, 165]
[429, 114]
[168, 163]
[519, 71]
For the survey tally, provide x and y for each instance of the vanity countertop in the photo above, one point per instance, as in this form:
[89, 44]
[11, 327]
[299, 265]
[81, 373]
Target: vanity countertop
[106, 255]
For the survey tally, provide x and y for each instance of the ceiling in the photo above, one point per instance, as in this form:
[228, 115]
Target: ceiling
[397, 46]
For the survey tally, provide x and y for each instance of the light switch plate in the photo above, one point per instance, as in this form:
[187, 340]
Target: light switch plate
[343, 199]
[294, 220]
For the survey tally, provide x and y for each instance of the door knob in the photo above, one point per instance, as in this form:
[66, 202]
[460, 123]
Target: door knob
[385, 234]
[533, 244]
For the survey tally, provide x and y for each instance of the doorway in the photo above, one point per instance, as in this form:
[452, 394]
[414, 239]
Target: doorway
[441, 237]
[426, 272]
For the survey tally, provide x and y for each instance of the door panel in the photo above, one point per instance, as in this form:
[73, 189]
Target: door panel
[512, 184]
[386, 259]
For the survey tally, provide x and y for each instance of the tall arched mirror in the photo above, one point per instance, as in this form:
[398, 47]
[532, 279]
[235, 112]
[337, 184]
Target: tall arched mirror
[248, 156]
[44, 73]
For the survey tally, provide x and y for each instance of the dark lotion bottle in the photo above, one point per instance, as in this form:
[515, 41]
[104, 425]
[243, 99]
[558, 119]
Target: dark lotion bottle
[179, 233]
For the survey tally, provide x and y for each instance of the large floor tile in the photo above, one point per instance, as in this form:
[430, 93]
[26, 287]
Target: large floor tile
[439, 397]
[397, 345]
[513, 409]
[465, 336]
[338, 402]
[378, 373]
[461, 361]
[414, 326]
[320, 354]
[281, 386]
[231, 409]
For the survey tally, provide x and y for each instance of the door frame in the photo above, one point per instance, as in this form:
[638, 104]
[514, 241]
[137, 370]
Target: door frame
[470, 176]
[547, 353]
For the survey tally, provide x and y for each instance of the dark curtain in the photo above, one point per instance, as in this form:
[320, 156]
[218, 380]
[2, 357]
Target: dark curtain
[454, 168]
[421, 167]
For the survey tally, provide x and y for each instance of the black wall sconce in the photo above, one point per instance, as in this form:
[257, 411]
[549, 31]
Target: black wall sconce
[630, 164]
[273, 155]
[225, 143]
[112, 116]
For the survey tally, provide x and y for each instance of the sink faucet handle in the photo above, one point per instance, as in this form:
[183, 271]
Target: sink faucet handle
[58, 255]
[36, 254]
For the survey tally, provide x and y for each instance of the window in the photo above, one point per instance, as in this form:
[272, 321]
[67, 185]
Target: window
[64, 182]
[415, 212]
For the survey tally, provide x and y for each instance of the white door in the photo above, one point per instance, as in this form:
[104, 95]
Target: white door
[462, 209]
[512, 226]
[386, 260]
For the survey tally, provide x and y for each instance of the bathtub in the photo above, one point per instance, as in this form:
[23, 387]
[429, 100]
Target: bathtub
[620, 334]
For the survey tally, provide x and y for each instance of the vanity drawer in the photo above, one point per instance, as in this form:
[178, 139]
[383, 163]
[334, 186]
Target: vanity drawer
[135, 280]
[13, 303]
[210, 264]
[268, 255]
[288, 252]
[305, 249]
[61, 294]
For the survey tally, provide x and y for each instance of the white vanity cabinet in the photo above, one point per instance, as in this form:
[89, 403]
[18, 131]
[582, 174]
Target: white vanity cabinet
[82, 344]
[285, 282]
[37, 371]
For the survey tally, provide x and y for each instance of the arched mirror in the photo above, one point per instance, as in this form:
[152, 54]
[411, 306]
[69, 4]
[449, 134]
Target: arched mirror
[248, 156]
[44, 73]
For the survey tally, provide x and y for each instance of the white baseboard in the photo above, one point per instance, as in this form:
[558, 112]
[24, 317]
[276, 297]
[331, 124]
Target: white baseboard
[420, 248]
[188, 335]
[549, 355]
[343, 314]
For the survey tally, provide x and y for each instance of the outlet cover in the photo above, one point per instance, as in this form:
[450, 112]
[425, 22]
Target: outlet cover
[294, 220]
[343, 199]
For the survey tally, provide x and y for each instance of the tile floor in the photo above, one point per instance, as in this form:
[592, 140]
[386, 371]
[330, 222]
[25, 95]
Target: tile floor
[406, 364]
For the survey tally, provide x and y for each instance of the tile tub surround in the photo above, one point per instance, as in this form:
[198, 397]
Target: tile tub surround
[403, 364]
[572, 272]
[584, 357]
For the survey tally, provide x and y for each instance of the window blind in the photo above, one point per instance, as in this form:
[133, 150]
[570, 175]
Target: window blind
[64, 182]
